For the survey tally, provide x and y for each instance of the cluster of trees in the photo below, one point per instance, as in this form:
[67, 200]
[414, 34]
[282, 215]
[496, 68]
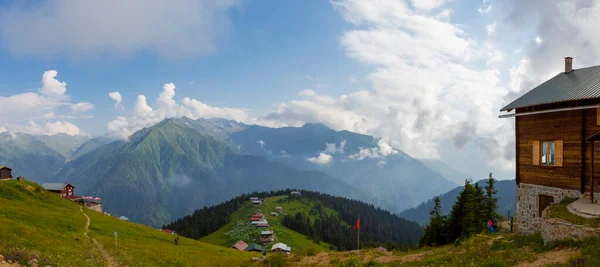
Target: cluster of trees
[473, 208]
[377, 226]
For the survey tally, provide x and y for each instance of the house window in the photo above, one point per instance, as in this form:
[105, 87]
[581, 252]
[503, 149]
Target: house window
[548, 153]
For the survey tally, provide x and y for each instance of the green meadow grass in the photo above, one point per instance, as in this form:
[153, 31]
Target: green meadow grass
[300, 243]
[560, 211]
[35, 223]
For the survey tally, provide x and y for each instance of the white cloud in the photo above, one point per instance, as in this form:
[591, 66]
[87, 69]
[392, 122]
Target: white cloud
[307, 93]
[261, 143]
[322, 159]
[382, 150]
[332, 148]
[310, 78]
[491, 29]
[48, 128]
[538, 40]
[179, 29]
[51, 86]
[49, 115]
[82, 107]
[485, 10]
[285, 155]
[420, 92]
[116, 96]
[145, 115]
[38, 107]
[427, 4]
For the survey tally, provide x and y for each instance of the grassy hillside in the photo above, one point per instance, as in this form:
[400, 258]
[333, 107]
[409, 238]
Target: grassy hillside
[227, 235]
[35, 223]
[503, 249]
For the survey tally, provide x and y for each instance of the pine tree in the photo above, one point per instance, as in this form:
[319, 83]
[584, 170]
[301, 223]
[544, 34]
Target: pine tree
[491, 201]
[434, 232]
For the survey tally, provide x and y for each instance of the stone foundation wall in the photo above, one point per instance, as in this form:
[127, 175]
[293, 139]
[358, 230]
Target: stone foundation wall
[556, 229]
[528, 219]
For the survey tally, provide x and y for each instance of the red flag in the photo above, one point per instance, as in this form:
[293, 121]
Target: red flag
[357, 226]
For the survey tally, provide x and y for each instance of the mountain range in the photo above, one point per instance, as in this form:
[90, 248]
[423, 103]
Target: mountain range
[167, 170]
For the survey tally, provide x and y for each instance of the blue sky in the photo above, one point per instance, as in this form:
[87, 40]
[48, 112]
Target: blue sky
[264, 60]
[426, 76]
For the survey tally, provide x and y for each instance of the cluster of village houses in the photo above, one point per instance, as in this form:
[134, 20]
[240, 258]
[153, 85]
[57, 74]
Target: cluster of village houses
[267, 237]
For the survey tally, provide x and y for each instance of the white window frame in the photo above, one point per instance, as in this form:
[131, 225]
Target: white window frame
[548, 153]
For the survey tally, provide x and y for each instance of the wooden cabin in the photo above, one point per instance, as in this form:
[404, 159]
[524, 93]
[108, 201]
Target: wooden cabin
[267, 237]
[5, 173]
[65, 190]
[240, 245]
[255, 248]
[557, 125]
[281, 247]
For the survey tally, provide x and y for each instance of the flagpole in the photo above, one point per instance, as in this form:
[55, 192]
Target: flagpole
[358, 237]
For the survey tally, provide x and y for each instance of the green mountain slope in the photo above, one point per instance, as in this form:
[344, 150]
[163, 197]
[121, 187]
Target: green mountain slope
[29, 157]
[168, 170]
[39, 224]
[507, 202]
[322, 218]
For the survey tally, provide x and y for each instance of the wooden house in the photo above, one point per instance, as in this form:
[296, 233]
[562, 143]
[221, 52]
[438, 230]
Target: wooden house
[240, 245]
[255, 248]
[556, 127]
[267, 237]
[281, 247]
[5, 173]
[65, 190]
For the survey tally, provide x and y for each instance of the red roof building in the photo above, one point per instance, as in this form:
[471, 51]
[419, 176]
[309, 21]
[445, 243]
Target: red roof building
[240, 245]
[167, 231]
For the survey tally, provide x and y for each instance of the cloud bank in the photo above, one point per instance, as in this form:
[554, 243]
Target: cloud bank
[37, 108]
[87, 28]
[166, 107]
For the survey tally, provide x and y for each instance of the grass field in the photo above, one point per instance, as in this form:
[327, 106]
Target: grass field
[560, 211]
[300, 244]
[41, 225]
[497, 250]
